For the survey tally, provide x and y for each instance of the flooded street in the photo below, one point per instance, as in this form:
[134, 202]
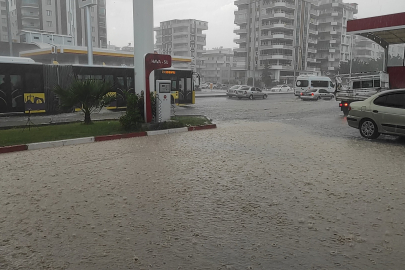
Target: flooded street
[272, 193]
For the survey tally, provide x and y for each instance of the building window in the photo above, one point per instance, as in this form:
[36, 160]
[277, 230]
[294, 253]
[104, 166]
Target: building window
[49, 23]
[48, 13]
[93, 29]
[49, 2]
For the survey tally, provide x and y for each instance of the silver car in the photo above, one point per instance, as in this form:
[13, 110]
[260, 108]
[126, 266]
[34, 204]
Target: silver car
[250, 92]
[231, 92]
[317, 94]
[382, 113]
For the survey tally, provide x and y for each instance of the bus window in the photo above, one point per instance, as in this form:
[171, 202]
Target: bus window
[302, 83]
[332, 84]
[319, 83]
[174, 86]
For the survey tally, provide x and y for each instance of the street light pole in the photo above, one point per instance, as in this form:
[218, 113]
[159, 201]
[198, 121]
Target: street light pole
[10, 38]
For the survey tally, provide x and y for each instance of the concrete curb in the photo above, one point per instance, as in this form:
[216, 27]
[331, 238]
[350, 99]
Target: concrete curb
[43, 145]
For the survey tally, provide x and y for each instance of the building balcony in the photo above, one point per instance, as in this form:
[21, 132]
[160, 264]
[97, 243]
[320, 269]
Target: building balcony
[241, 2]
[313, 41]
[314, 12]
[240, 40]
[240, 20]
[331, 59]
[276, 57]
[181, 40]
[334, 23]
[333, 41]
[311, 50]
[180, 32]
[285, 67]
[311, 60]
[283, 15]
[29, 5]
[333, 32]
[240, 31]
[336, 14]
[278, 25]
[277, 46]
[282, 36]
[240, 50]
[331, 68]
[281, 4]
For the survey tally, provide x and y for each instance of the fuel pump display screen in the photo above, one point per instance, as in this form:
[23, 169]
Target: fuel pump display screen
[164, 88]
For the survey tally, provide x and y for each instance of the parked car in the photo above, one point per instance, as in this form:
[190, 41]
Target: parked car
[382, 113]
[231, 92]
[317, 94]
[281, 88]
[205, 86]
[250, 92]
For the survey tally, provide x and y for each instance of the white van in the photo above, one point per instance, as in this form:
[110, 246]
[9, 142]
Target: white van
[310, 82]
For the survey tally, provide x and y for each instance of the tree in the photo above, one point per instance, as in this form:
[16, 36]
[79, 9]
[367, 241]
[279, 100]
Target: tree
[88, 95]
[369, 66]
[266, 75]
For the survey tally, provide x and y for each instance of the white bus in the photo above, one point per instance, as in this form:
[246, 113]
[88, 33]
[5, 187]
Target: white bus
[310, 82]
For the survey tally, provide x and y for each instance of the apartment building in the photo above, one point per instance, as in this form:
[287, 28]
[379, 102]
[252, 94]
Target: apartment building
[333, 40]
[217, 65]
[182, 38]
[290, 35]
[58, 17]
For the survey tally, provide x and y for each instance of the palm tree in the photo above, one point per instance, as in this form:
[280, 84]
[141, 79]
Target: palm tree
[88, 95]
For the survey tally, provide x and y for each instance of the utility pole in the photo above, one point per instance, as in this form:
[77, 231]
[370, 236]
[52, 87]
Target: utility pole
[10, 38]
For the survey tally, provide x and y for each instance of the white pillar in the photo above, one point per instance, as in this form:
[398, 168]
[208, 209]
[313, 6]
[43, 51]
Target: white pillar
[143, 40]
[89, 37]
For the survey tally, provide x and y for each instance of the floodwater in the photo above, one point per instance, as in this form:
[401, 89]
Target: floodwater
[263, 195]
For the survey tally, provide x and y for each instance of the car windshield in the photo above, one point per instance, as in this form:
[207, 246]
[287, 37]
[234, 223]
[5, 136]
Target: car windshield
[234, 87]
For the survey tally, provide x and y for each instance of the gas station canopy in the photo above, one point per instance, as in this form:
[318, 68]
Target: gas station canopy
[385, 30]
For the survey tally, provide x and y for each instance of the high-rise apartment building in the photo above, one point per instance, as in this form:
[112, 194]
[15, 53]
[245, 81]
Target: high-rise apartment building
[334, 42]
[217, 65]
[308, 36]
[183, 38]
[61, 17]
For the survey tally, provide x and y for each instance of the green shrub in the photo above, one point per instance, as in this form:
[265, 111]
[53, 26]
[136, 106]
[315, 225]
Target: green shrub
[133, 118]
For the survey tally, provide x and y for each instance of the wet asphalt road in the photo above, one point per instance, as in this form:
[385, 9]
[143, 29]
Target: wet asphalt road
[281, 184]
[321, 117]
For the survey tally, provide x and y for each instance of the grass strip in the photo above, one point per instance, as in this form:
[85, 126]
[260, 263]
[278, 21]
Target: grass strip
[18, 136]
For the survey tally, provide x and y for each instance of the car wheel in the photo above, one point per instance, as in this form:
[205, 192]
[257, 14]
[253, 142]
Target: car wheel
[369, 129]
[332, 97]
[319, 98]
[239, 98]
[251, 97]
[264, 96]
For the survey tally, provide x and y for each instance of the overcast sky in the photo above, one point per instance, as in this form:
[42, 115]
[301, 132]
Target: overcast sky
[218, 14]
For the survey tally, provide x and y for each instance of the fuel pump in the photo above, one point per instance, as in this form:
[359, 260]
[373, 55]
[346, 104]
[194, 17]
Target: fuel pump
[163, 100]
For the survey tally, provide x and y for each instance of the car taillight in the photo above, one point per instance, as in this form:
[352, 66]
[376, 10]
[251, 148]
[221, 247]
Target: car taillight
[340, 105]
[312, 94]
[350, 108]
[346, 104]
[302, 94]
